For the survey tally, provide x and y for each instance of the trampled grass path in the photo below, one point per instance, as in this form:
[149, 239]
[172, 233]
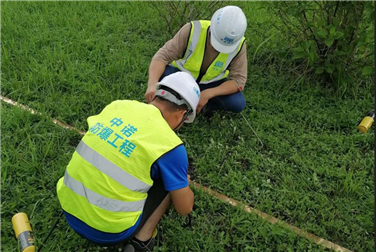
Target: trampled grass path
[318, 240]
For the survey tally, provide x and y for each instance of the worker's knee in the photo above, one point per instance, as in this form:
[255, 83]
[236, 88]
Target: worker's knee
[169, 70]
[234, 103]
[239, 106]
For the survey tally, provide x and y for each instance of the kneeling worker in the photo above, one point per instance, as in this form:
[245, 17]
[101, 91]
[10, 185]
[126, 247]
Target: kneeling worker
[214, 52]
[130, 166]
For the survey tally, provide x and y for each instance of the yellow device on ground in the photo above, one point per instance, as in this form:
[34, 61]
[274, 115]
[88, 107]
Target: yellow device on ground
[367, 122]
[23, 231]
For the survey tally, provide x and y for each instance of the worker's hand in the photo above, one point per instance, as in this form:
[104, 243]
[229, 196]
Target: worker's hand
[150, 93]
[205, 96]
[189, 178]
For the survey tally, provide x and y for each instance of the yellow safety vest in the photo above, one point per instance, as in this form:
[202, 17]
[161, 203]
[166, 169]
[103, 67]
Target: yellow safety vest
[194, 55]
[106, 182]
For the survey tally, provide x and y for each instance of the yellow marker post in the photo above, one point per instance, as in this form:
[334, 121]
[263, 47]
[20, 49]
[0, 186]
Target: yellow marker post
[23, 231]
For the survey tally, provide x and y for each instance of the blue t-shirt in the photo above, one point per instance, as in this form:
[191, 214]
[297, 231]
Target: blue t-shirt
[172, 168]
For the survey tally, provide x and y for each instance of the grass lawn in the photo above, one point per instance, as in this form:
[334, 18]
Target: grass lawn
[69, 60]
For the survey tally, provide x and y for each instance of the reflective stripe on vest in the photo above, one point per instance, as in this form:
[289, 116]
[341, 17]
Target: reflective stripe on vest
[195, 52]
[99, 200]
[111, 170]
[107, 180]
[192, 42]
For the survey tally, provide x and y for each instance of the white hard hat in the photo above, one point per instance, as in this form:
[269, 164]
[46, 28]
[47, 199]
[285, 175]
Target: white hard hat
[228, 26]
[185, 85]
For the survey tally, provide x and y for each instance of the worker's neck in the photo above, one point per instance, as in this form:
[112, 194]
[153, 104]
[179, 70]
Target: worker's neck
[168, 116]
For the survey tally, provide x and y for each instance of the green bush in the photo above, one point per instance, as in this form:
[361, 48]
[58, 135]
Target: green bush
[332, 41]
[175, 14]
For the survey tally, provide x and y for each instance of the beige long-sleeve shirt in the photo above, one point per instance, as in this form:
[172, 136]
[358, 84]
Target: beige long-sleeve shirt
[175, 48]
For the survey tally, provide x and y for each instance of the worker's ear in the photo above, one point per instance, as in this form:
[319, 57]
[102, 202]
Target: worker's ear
[181, 115]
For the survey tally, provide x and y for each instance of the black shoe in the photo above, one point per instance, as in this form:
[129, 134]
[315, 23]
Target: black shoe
[208, 113]
[137, 246]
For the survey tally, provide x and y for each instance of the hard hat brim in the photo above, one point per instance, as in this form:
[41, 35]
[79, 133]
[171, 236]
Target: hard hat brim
[222, 48]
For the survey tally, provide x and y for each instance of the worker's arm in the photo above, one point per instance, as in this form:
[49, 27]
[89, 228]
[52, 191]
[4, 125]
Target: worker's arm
[183, 200]
[172, 168]
[156, 70]
[172, 50]
[226, 88]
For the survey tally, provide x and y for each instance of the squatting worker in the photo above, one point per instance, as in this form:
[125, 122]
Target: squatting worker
[129, 166]
[214, 52]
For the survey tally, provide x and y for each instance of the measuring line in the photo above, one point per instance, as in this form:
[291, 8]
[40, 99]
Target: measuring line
[262, 144]
[224, 198]
[272, 220]
[32, 111]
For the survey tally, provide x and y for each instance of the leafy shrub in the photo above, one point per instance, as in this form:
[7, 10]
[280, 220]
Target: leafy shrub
[177, 13]
[333, 40]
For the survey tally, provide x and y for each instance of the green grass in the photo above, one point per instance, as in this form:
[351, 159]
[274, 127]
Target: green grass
[69, 60]
[315, 170]
[34, 155]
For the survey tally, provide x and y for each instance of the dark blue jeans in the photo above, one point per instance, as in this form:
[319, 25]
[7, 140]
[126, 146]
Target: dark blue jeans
[233, 102]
